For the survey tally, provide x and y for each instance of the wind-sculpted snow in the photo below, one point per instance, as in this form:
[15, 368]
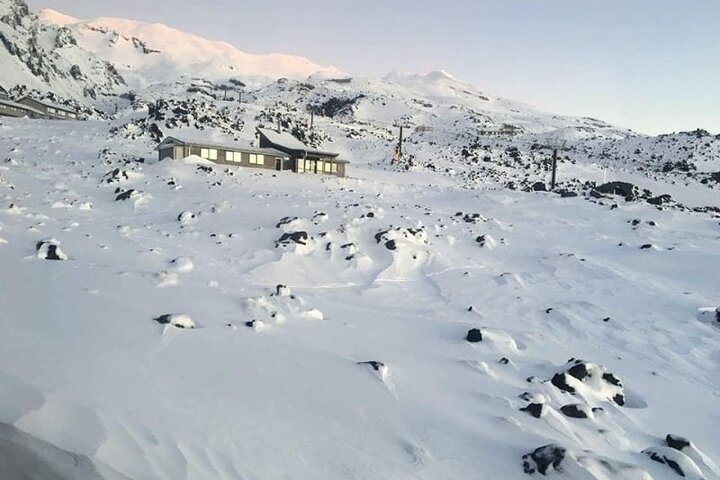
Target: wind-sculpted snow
[219, 322]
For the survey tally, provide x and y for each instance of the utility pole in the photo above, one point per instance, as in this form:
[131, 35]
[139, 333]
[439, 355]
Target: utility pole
[312, 118]
[401, 126]
[554, 145]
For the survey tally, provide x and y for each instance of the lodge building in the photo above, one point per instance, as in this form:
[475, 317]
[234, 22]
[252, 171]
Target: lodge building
[278, 151]
[31, 108]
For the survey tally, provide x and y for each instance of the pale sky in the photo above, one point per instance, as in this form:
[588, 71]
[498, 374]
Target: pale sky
[650, 65]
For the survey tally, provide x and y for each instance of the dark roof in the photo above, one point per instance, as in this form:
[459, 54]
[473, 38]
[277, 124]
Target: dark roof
[50, 105]
[289, 142]
[21, 106]
[232, 148]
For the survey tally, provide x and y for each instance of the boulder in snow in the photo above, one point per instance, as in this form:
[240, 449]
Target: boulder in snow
[50, 250]
[176, 320]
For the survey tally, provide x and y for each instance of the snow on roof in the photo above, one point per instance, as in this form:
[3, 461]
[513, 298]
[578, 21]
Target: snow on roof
[287, 140]
[283, 138]
[51, 105]
[21, 106]
[241, 148]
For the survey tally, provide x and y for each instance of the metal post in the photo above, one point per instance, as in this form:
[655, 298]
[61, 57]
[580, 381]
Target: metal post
[400, 142]
[554, 169]
[312, 119]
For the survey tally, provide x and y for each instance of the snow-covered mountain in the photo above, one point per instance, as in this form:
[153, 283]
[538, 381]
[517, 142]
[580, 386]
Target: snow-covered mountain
[47, 58]
[152, 52]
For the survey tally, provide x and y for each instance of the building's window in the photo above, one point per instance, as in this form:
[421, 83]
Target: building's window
[320, 166]
[334, 168]
[62, 114]
[300, 165]
[209, 153]
[233, 157]
[257, 159]
[72, 115]
[51, 110]
[328, 167]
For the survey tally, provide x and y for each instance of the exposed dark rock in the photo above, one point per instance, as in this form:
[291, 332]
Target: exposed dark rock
[612, 379]
[542, 458]
[578, 371]
[573, 411]
[391, 245]
[625, 189]
[49, 250]
[646, 246]
[285, 221]
[538, 187]
[375, 365]
[677, 442]
[534, 409]
[660, 199]
[474, 335]
[662, 458]
[560, 381]
[567, 193]
[126, 195]
[290, 237]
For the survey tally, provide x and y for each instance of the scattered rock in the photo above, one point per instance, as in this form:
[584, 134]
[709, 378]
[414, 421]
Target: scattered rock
[375, 365]
[282, 291]
[293, 237]
[590, 380]
[542, 458]
[660, 199]
[575, 410]
[127, 195]
[176, 320]
[680, 463]
[625, 189]
[474, 335]
[186, 217]
[537, 410]
[50, 250]
[677, 442]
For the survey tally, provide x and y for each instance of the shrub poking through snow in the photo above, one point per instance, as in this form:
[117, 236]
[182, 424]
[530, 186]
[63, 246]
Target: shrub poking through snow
[542, 458]
[474, 335]
[591, 381]
[176, 320]
[50, 250]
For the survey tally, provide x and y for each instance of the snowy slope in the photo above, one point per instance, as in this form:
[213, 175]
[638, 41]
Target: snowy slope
[47, 58]
[396, 268]
[151, 52]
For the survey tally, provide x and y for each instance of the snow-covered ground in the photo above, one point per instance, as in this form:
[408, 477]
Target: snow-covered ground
[216, 324]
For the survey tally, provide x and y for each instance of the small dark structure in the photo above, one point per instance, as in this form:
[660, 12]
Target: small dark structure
[50, 110]
[304, 159]
[267, 158]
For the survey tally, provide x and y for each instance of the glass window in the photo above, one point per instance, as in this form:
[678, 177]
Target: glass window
[320, 166]
[233, 157]
[334, 168]
[328, 167]
[300, 165]
[209, 153]
[257, 159]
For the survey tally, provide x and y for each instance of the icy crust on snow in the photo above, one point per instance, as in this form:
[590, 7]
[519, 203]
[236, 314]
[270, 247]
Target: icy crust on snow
[254, 324]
